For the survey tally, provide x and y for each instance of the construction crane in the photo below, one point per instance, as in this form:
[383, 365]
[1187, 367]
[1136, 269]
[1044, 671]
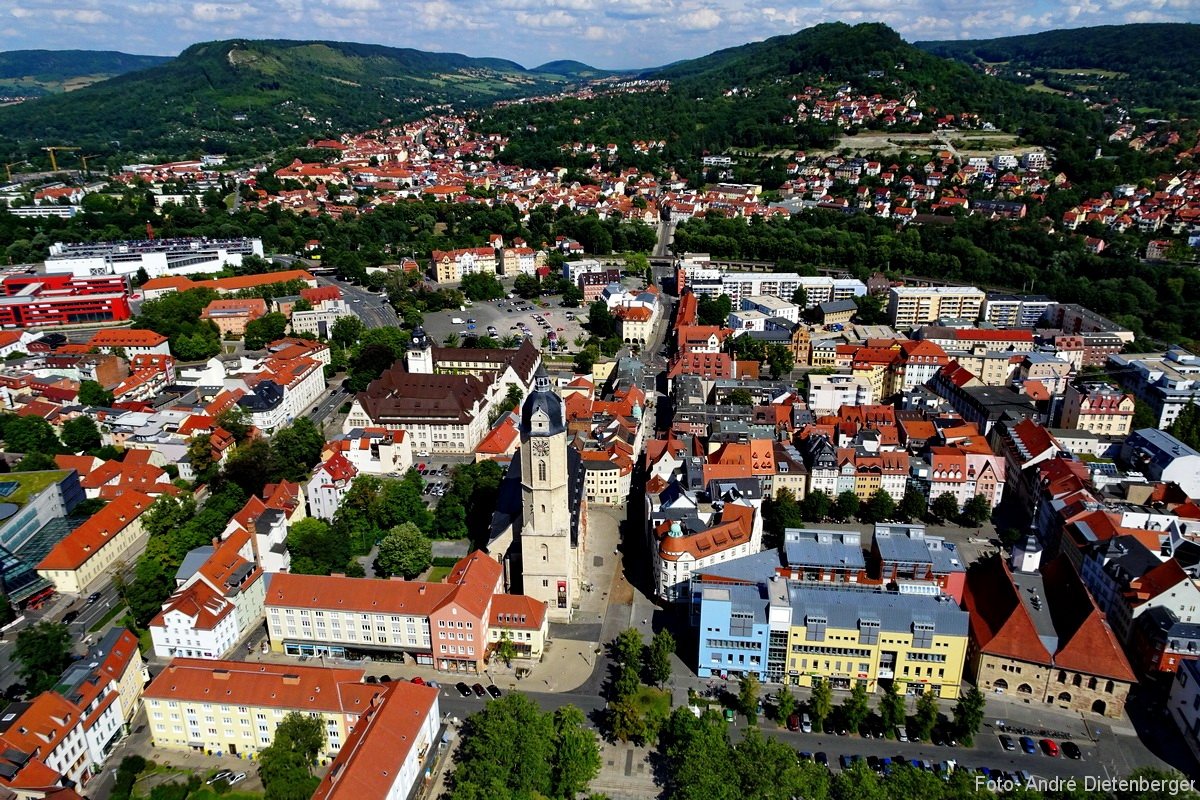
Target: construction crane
[84, 159]
[8, 168]
[53, 159]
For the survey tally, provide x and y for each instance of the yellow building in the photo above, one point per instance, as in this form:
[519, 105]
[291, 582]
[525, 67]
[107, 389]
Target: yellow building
[523, 621]
[849, 636]
[234, 707]
[85, 555]
[1099, 408]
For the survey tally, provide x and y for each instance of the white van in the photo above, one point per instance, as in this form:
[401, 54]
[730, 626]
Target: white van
[458, 320]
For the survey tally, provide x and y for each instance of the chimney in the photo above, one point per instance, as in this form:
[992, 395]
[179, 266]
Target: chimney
[220, 674]
[421, 589]
[291, 680]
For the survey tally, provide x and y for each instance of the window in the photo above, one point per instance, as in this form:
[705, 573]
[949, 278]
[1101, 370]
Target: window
[815, 628]
[541, 470]
[922, 634]
[868, 631]
[741, 625]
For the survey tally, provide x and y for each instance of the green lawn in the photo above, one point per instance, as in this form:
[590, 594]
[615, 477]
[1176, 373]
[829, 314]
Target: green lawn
[31, 484]
[651, 700]
[207, 793]
[437, 574]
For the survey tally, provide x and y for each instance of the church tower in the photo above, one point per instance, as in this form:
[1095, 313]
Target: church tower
[419, 358]
[547, 564]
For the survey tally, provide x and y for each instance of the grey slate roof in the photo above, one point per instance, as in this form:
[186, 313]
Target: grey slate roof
[843, 608]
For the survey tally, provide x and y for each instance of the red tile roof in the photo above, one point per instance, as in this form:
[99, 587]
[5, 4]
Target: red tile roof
[370, 761]
[126, 337]
[284, 686]
[90, 537]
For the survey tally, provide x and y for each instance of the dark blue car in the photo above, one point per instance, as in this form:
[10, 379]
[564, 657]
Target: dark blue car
[1028, 745]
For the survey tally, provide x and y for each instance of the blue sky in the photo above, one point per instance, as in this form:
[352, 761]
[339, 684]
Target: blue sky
[604, 33]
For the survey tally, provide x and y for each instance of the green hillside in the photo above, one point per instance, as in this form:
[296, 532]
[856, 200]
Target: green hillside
[574, 69]
[741, 98]
[245, 96]
[1152, 65]
[39, 72]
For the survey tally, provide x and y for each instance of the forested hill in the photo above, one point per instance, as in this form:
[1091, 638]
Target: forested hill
[575, 69]
[244, 96]
[741, 97]
[1150, 64]
[37, 72]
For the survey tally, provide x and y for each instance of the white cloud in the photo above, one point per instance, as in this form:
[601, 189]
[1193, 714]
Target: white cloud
[702, 19]
[217, 12]
[356, 5]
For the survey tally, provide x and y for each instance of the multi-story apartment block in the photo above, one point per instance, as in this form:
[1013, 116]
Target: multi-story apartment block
[828, 393]
[444, 625]
[385, 756]
[1014, 311]
[1097, 407]
[158, 257]
[449, 266]
[1167, 382]
[86, 554]
[803, 634]
[234, 707]
[911, 306]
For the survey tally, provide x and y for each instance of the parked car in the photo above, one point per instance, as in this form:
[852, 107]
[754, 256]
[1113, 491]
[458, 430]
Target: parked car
[463, 689]
[1028, 745]
[1007, 743]
[1071, 750]
[70, 617]
[793, 722]
[493, 690]
[238, 778]
[821, 759]
[479, 690]
[1049, 747]
[93, 598]
[224, 774]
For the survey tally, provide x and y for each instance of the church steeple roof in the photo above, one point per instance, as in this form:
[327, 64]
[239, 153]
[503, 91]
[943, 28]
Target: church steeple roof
[543, 400]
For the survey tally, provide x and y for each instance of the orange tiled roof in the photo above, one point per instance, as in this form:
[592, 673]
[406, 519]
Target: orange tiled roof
[284, 686]
[90, 537]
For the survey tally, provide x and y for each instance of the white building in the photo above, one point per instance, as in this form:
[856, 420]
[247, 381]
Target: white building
[772, 307]
[828, 393]
[573, 269]
[911, 306]
[329, 484]
[374, 451]
[158, 257]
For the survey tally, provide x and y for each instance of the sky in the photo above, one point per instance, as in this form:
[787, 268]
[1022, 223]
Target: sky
[604, 33]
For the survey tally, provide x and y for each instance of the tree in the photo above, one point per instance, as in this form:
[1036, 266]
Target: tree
[601, 322]
[576, 759]
[658, 659]
[913, 505]
[820, 704]
[740, 397]
[572, 296]
[295, 450]
[769, 770]
[404, 551]
[714, 310]
[1143, 416]
[627, 651]
[347, 330]
[92, 393]
[510, 746]
[855, 708]
[36, 462]
[881, 506]
[846, 505]
[452, 339]
[944, 506]
[316, 548]
[926, 716]
[43, 652]
[785, 704]
[481, 286]
[815, 506]
[80, 434]
[625, 720]
[286, 765]
[891, 707]
[780, 360]
[800, 297]
[235, 420]
[506, 650]
[7, 612]
[1186, 427]
[401, 501]
[748, 689]
[450, 521]
[968, 714]
[584, 361]
[265, 329]
[977, 511]
[527, 286]
[30, 435]
[857, 783]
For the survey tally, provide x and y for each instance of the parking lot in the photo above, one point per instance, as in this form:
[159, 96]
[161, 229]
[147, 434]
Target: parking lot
[517, 317]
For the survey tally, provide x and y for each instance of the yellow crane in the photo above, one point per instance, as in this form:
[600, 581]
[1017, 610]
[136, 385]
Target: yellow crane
[84, 159]
[8, 168]
[53, 160]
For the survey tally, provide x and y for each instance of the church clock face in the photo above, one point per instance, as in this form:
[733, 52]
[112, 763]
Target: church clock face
[540, 447]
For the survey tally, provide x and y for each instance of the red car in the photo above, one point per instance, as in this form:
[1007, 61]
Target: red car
[419, 681]
[1049, 748]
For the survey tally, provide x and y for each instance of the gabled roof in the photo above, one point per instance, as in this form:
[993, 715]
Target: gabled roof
[1000, 623]
[92, 536]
